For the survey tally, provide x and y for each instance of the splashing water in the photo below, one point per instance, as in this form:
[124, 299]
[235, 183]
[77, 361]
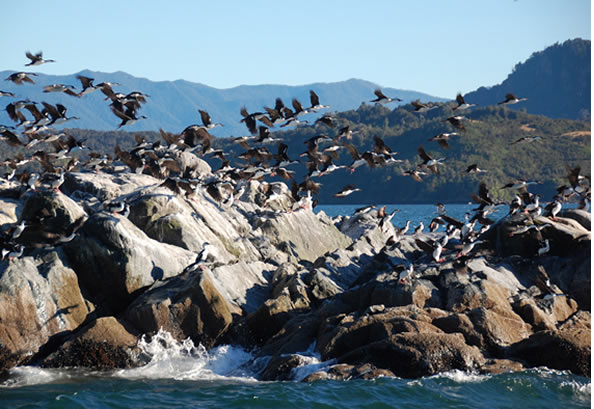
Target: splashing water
[171, 359]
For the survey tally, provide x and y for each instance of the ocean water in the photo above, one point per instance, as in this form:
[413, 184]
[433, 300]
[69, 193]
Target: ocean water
[183, 375]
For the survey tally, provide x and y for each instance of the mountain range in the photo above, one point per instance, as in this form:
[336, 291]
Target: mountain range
[173, 105]
[556, 81]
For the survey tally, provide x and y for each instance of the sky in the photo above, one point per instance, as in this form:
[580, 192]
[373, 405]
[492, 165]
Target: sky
[432, 46]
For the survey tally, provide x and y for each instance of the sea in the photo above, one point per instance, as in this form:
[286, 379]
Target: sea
[184, 375]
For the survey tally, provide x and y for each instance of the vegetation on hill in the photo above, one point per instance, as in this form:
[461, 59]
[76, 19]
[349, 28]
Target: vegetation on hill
[487, 141]
[556, 81]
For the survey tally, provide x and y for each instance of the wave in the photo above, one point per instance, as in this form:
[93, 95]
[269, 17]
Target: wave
[172, 359]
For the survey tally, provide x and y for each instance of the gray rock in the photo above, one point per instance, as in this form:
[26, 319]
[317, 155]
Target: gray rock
[39, 299]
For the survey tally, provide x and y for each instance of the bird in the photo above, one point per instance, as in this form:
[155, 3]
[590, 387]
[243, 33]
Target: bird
[544, 248]
[405, 273]
[36, 59]
[419, 228]
[433, 247]
[87, 85]
[347, 190]
[527, 139]
[474, 169]
[6, 94]
[553, 208]
[462, 105]
[457, 122]
[467, 248]
[206, 121]
[421, 107]
[511, 99]
[443, 138]
[315, 102]
[415, 174]
[382, 99]
[204, 254]
[20, 77]
[428, 161]
[67, 89]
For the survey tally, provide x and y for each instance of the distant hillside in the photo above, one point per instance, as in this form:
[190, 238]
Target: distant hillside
[487, 141]
[556, 81]
[173, 104]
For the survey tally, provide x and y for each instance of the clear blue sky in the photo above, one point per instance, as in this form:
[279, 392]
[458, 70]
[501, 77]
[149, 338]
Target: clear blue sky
[434, 46]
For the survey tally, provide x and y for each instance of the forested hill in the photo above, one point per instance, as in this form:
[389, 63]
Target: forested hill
[556, 81]
[487, 141]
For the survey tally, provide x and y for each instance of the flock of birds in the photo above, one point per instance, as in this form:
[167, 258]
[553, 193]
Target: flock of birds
[163, 160]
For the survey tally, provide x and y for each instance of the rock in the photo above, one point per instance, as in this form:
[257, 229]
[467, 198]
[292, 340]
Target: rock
[352, 332]
[460, 323]
[280, 368]
[345, 372]
[412, 354]
[499, 328]
[310, 236]
[296, 336]
[114, 259]
[9, 211]
[40, 300]
[568, 349]
[105, 343]
[186, 306]
[48, 212]
[499, 366]
[581, 216]
[243, 285]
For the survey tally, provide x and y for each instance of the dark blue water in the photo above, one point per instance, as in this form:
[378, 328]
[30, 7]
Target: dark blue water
[181, 375]
[530, 389]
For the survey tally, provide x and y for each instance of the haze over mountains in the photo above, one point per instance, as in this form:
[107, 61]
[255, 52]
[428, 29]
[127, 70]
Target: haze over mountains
[173, 105]
[556, 82]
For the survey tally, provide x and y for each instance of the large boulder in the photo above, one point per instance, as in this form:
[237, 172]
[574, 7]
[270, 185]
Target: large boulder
[114, 259]
[413, 354]
[40, 300]
[106, 343]
[186, 306]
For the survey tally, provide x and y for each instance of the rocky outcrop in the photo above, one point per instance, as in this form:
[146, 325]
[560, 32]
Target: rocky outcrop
[40, 301]
[280, 280]
[103, 344]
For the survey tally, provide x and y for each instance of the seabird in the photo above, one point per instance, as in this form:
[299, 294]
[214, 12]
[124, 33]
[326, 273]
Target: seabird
[428, 161]
[204, 253]
[36, 59]
[544, 248]
[6, 94]
[456, 121]
[525, 228]
[382, 99]
[406, 273]
[20, 77]
[474, 169]
[66, 89]
[415, 174]
[467, 248]
[347, 190]
[87, 85]
[443, 138]
[206, 121]
[462, 105]
[527, 139]
[421, 107]
[315, 102]
[511, 99]
[419, 228]
[553, 208]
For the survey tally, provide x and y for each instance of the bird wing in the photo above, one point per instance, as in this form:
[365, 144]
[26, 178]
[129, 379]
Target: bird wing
[314, 99]
[423, 154]
[460, 99]
[205, 117]
[378, 92]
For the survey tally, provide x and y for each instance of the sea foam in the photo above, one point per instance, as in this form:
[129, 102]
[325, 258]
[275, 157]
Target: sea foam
[182, 360]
